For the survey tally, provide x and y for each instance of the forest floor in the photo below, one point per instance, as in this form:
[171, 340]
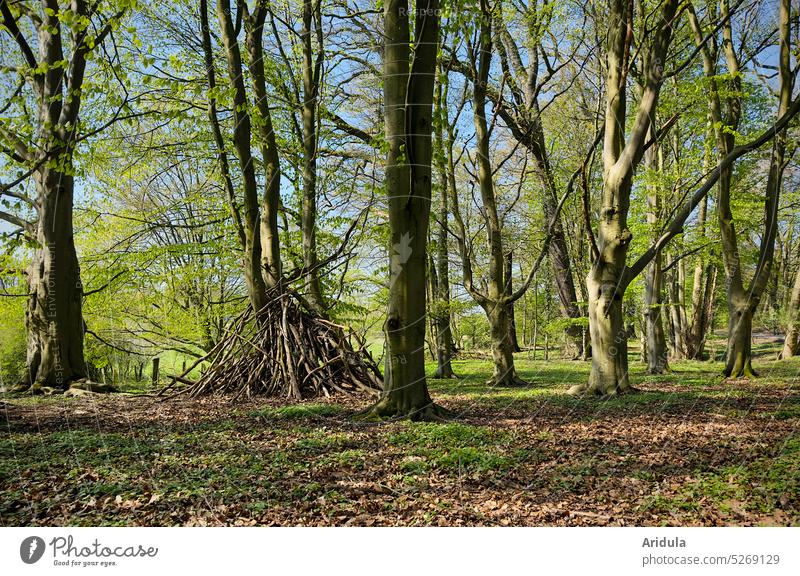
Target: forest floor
[690, 449]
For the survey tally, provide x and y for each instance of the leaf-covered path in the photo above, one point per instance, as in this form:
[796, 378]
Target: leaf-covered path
[690, 449]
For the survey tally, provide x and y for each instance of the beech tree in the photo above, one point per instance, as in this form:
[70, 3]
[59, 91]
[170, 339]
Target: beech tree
[408, 88]
[439, 267]
[610, 275]
[53, 44]
[525, 87]
[726, 114]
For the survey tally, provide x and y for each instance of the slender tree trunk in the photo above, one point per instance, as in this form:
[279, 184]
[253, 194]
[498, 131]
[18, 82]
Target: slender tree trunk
[247, 223]
[308, 217]
[493, 304]
[271, 267]
[526, 127]
[445, 347]
[743, 301]
[656, 342]
[700, 283]
[512, 325]
[791, 345]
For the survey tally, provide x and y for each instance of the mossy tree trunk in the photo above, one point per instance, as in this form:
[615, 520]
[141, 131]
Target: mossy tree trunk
[408, 109]
[40, 41]
[609, 276]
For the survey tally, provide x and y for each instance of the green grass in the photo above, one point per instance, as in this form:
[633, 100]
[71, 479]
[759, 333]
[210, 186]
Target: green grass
[690, 444]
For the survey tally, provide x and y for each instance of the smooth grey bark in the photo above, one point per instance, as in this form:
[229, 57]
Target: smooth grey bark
[408, 110]
[54, 318]
[655, 341]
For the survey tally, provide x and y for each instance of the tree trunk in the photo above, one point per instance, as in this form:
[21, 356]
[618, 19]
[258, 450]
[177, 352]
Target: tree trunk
[609, 373]
[308, 224]
[791, 344]
[656, 341]
[247, 223]
[445, 347]
[742, 301]
[526, 127]
[678, 313]
[696, 333]
[408, 106]
[738, 356]
[505, 373]
[54, 317]
[609, 276]
[512, 325]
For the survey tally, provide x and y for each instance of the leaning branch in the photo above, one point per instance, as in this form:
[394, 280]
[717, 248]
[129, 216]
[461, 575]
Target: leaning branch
[554, 221]
[676, 226]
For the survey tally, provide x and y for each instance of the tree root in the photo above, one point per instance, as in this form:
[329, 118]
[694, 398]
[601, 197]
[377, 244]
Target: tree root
[74, 388]
[386, 410]
[513, 382]
[584, 390]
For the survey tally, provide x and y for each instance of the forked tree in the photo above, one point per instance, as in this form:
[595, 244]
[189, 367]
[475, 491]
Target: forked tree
[725, 107]
[610, 275]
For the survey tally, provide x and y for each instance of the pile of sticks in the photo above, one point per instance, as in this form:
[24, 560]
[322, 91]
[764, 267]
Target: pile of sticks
[285, 351]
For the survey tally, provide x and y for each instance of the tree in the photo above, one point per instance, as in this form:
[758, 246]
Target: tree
[529, 74]
[495, 300]
[744, 300]
[610, 276]
[440, 266]
[43, 145]
[654, 281]
[257, 227]
[408, 116]
[300, 83]
[606, 281]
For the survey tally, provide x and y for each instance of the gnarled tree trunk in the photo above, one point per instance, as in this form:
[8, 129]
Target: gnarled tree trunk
[54, 317]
